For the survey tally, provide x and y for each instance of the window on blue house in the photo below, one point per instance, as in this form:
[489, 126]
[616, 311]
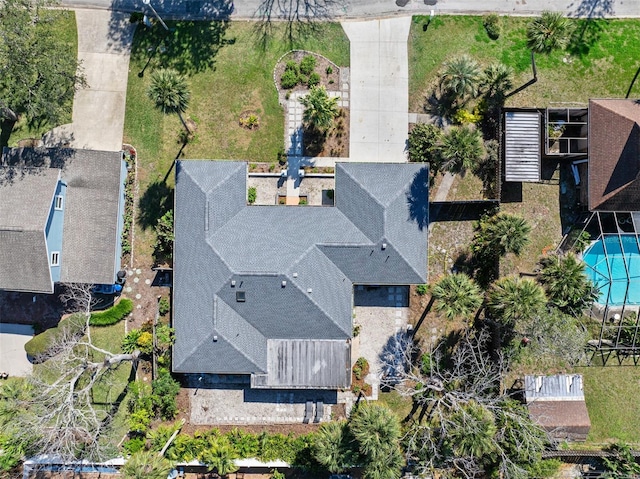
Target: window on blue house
[55, 258]
[58, 202]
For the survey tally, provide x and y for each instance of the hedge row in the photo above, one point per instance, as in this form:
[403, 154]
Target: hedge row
[112, 315]
[46, 343]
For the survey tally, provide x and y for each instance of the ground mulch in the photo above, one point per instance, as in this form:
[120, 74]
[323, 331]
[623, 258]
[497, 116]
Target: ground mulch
[330, 81]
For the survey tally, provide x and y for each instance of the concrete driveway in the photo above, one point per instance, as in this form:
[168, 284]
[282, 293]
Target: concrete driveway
[104, 45]
[13, 359]
[379, 89]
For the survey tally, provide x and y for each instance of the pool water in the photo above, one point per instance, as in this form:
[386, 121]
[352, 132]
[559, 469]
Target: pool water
[613, 265]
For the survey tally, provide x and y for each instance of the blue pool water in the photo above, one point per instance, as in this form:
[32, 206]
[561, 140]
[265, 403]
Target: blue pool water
[613, 264]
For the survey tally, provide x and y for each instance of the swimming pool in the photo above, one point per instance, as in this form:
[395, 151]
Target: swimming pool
[613, 264]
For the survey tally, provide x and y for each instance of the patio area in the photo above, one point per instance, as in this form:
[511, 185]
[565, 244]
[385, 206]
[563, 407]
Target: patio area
[272, 190]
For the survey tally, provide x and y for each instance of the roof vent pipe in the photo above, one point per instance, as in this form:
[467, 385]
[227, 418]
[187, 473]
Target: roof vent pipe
[384, 245]
[284, 283]
[215, 338]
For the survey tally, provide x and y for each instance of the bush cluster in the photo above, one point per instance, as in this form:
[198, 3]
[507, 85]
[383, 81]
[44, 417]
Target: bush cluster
[252, 194]
[491, 23]
[150, 401]
[45, 344]
[300, 73]
[113, 314]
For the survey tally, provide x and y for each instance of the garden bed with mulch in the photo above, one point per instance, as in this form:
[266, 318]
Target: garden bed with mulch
[329, 72]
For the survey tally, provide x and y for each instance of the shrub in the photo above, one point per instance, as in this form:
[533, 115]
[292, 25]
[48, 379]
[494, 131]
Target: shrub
[307, 64]
[251, 196]
[134, 444]
[289, 79]
[164, 236]
[314, 79]
[46, 344]
[165, 390]
[302, 201]
[422, 289]
[292, 66]
[164, 306]
[113, 314]
[361, 368]
[464, 117]
[330, 194]
[145, 342]
[130, 341]
[139, 421]
[329, 70]
[356, 330]
[491, 23]
[136, 17]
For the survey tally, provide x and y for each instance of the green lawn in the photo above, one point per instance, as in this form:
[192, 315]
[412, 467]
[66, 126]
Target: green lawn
[63, 27]
[600, 62]
[612, 400]
[230, 71]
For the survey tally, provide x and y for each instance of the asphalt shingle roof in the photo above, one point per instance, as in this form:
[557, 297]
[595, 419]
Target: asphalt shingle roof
[295, 266]
[94, 192]
[614, 154]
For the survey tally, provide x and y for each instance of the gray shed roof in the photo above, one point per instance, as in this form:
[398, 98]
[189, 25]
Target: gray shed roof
[90, 230]
[294, 266]
[522, 146]
[560, 387]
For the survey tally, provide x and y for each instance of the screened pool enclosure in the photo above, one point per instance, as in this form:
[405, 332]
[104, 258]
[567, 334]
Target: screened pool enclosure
[610, 245]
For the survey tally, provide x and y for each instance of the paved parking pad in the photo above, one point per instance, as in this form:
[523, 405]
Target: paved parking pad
[13, 358]
[255, 406]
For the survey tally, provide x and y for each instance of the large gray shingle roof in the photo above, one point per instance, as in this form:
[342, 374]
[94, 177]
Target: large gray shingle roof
[94, 193]
[223, 246]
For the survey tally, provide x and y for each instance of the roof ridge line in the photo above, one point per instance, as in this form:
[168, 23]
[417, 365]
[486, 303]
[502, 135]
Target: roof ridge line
[363, 189]
[408, 263]
[315, 246]
[251, 360]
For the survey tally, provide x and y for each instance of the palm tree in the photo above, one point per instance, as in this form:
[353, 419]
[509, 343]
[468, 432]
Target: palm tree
[550, 31]
[376, 431]
[331, 447]
[496, 80]
[567, 287]
[219, 457]
[460, 149]
[146, 465]
[460, 78]
[511, 299]
[319, 108]
[501, 234]
[457, 295]
[170, 93]
[473, 432]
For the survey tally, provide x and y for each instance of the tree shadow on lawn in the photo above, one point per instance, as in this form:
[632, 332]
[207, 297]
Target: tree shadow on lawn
[190, 48]
[154, 203]
[586, 35]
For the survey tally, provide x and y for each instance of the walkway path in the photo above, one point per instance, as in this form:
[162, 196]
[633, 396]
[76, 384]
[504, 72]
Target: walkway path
[379, 89]
[104, 44]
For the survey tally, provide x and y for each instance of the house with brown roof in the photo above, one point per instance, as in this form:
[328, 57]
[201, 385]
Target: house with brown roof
[614, 155]
[557, 404]
[61, 217]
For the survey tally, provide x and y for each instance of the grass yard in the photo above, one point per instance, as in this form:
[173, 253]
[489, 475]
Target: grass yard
[600, 61]
[611, 393]
[230, 72]
[63, 27]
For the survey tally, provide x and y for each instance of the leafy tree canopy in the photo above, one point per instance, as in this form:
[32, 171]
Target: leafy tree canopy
[39, 68]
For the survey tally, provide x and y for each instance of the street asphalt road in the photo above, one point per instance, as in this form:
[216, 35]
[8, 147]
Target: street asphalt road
[360, 9]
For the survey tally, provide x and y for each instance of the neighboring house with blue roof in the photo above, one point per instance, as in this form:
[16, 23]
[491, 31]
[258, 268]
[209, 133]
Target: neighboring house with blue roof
[61, 217]
[267, 291]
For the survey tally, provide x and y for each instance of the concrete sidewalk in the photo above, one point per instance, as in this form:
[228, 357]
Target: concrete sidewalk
[379, 89]
[104, 45]
[366, 9]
